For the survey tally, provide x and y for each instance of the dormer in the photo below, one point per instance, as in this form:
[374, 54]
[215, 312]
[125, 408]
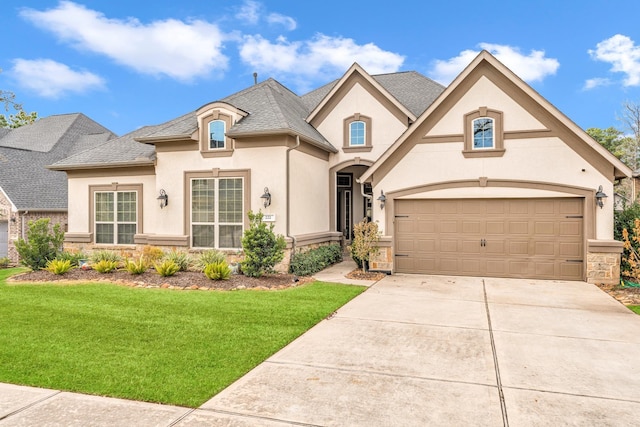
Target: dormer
[214, 121]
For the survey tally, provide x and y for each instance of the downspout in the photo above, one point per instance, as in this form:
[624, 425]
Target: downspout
[293, 239]
[368, 196]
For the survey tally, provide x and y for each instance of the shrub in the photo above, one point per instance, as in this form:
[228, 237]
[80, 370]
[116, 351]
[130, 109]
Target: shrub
[152, 254]
[314, 260]
[262, 248]
[73, 257]
[105, 255]
[183, 259]
[59, 266]
[105, 266]
[625, 219]
[166, 268]
[43, 244]
[218, 271]
[365, 241]
[138, 267]
[4, 262]
[211, 256]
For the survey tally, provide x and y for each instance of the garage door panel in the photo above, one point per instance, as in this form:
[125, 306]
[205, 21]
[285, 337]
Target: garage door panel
[471, 227]
[570, 250]
[495, 227]
[546, 228]
[567, 228]
[518, 227]
[497, 237]
[518, 247]
[448, 245]
[544, 248]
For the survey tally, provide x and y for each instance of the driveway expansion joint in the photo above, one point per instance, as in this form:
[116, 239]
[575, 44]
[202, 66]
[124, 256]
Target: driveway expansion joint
[32, 404]
[257, 417]
[503, 406]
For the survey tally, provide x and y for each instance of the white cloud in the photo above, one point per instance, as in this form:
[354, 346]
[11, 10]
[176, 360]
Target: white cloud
[532, 67]
[180, 50]
[623, 55]
[52, 79]
[286, 21]
[319, 57]
[249, 12]
[596, 82]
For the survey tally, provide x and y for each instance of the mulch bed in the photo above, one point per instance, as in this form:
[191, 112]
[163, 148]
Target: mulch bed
[150, 279]
[358, 274]
[627, 295]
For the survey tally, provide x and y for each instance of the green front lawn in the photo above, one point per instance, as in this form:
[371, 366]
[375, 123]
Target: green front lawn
[173, 347]
[634, 308]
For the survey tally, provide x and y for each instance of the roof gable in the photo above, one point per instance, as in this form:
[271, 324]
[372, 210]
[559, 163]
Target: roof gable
[487, 66]
[357, 75]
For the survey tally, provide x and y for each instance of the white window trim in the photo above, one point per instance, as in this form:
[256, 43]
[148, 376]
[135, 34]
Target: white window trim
[493, 133]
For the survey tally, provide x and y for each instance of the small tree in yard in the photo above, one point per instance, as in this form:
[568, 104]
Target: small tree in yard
[43, 244]
[365, 241]
[262, 248]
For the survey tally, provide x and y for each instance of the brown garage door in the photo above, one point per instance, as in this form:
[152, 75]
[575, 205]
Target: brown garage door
[533, 238]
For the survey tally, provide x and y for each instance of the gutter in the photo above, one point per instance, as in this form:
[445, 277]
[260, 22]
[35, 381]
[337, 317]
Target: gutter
[293, 239]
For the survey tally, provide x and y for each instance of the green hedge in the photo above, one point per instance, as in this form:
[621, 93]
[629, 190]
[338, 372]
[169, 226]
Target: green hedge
[314, 260]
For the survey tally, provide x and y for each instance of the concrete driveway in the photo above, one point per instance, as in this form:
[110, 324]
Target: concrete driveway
[432, 350]
[414, 351]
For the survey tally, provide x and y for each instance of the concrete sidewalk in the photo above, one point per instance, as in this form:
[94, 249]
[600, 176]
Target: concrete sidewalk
[413, 351]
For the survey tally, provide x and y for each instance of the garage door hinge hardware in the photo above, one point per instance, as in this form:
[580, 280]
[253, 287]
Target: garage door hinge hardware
[574, 216]
[402, 255]
[402, 216]
[574, 260]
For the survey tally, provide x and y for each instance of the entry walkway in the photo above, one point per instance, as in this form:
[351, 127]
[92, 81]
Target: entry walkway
[414, 351]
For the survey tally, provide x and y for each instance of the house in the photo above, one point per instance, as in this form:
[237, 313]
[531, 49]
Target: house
[28, 190]
[483, 178]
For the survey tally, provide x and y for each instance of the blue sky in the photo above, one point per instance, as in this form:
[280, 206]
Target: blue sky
[128, 64]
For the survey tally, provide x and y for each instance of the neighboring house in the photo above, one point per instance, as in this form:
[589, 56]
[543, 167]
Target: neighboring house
[483, 178]
[28, 190]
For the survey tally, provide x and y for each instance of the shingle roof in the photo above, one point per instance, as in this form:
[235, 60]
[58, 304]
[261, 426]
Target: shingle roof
[271, 106]
[410, 88]
[120, 150]
[23, 159]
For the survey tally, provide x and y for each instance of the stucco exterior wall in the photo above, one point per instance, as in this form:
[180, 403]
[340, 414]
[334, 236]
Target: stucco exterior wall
[78, 201]
[309, 195]
[386, 127]
[267, 166]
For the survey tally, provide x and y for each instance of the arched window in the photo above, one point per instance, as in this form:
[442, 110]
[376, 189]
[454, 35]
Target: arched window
[357, 133]
[483, 133]
[216, 134]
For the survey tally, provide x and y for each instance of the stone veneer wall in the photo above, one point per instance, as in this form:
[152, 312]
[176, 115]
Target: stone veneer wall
[383, 261]
[603, 261]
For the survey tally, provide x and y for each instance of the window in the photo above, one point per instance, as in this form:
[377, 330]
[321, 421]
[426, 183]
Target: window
[216, 134]
[357, 133]
[483, 133]
[217, 212]
[116, 218]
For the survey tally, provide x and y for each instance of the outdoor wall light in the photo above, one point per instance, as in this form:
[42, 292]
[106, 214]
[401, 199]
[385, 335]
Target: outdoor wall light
[382, 199]
[600, 196]
[266, 197]
[163, 198]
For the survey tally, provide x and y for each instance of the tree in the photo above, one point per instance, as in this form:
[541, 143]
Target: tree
[20, 118]
[613, 140]
[631, 122]
[365, 242]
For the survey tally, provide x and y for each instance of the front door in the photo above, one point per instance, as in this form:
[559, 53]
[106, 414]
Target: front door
[345, 212]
